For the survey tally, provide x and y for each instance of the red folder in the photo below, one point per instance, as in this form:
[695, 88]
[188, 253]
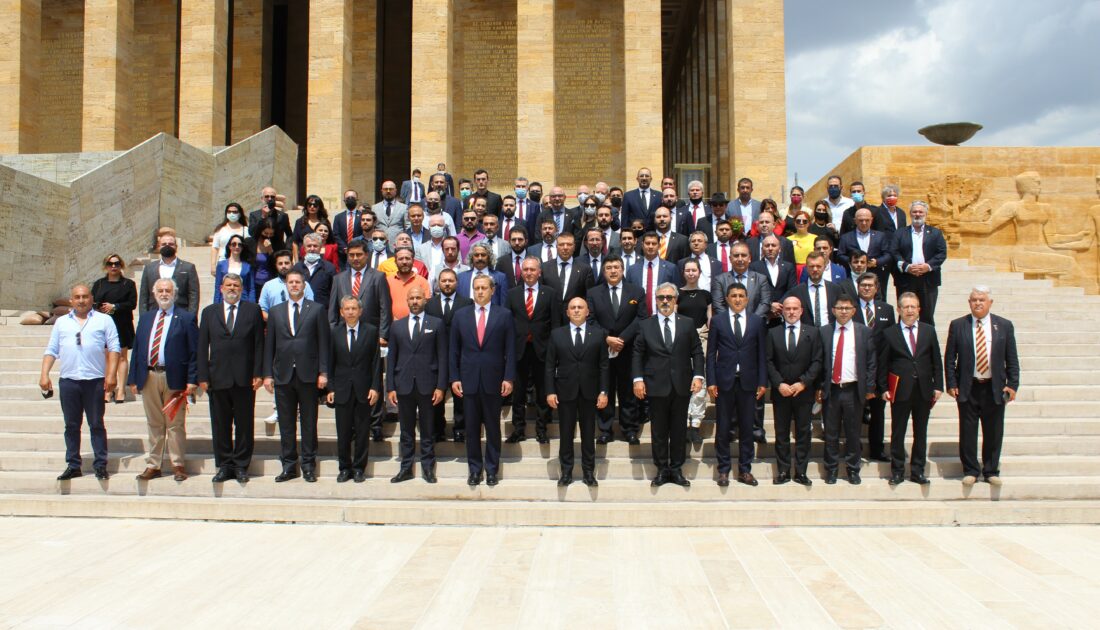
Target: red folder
[892, 385]
[173, 405]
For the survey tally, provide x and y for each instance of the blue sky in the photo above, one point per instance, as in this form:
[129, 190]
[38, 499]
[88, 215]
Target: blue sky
[872, 72]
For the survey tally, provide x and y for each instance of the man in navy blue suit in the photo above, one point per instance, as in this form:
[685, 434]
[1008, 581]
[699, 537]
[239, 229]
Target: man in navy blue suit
[736, 378]
[832, 272]
[481, 260]
[920, 252]
[164, 363]
[651, 271]
[641, 202]
[482, 369]
[878, 246]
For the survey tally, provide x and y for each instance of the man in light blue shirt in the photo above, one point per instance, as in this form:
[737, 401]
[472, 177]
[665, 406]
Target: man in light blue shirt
[274, 292]
[87, 344]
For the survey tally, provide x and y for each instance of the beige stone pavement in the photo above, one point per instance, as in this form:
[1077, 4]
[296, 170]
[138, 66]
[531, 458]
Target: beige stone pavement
[91, 573]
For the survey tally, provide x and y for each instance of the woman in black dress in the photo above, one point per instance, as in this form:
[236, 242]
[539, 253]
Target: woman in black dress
[313, 215]
[694, 302]
[116, 295]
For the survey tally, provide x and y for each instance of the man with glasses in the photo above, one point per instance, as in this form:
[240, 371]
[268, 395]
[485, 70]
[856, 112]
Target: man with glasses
[850, 379]
[877, 315]
[271, 208]
[78, 340]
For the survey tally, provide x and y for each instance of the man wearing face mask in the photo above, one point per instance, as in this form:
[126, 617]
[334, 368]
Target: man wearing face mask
[271, 208]
[600, 191]
[526, 209]
[448, 203]
[534, 192]
[318, 272]
[889, 217]
[430, 252]
[583, 193]
[615, 195]
[696, 206]
[434, 207]
[346, 225]
[859, 201]
[412, 190]
[838, 203]
[379, 245]
[169, 266]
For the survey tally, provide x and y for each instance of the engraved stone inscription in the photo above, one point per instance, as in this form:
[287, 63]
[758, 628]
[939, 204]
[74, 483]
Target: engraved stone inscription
[488, 123]
[60, 88]
[583, 117]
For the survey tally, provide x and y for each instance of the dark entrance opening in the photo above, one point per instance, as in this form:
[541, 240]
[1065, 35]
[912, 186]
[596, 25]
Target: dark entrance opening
[289, 78]
[394, 76]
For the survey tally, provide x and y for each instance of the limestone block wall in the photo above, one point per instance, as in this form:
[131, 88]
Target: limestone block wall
[60, 168]
[33, 219]
[240, 171]
[1034, 210]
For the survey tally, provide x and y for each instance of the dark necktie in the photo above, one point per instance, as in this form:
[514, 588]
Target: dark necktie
[294, 319]
[351, 339]
[232, 317]
[561, 274]
[446, 306]
[615, 300]
[577, 340]
[416, 326]
[737, 333]
[791, 341]
[668, 335]
[869, 316]
[817, 303]
[388, 209]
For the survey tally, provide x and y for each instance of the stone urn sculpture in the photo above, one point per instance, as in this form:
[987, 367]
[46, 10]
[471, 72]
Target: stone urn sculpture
[950, 134]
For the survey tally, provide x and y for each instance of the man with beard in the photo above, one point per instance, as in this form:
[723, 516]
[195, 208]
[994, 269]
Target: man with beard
[509, 264]
[275, 291]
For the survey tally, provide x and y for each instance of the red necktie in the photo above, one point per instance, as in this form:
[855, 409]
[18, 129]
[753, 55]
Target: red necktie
[507, 226]
[521, 211]
[838, 358]
[355, 284]
[351, 226]
[530, 304]
[518, 276]
[649, 283]
[725, 258]
[481, 326]
[158, 334]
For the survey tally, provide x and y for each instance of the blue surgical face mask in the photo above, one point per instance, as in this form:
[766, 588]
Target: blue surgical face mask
[312, 257]
[857, 197]
[521, 193]
[834, 192]
[438, 231]
[465, 193]
[581, 197]
[378, 245]
[233, 216]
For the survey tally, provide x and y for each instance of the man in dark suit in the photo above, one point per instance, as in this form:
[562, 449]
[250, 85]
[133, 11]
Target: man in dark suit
[794, 365]
[510, 265]
[765, 226]
[641, 202]
[857, 266]
[163, 364]
[346, 225]
[567, 275]
[849, 361]
[983, 375]
[536, 309]
[668, 367]
[757, 285]
[736, 378]
[319, 272]
[780, 275]
[593, 252]
[651, 271]
[545, 247]
[443, 305]
[354, 386]
[449, 204]
[230, 369]
[715, 216]
[919, 267]
[412, 189]
[878, 316]
[619, 309]
[696, 206]
[910, 375]
[889, 217]
[481, 191]
[832, 272]
[680, 221]
[527, 210]
[182, 273]
[417, 366]
[296, 362]
[818, 296]
[481, 260]
[565, 220]
[876, 246]
[672, 245]
[482, 370]
[577, 381]
[279, 220]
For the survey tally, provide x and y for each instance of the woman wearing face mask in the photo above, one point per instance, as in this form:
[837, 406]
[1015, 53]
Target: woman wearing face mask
[768, 204]
[260, 250]
[235, 222]
[116, 295]
[331, 253]
[588, 215]
[802, 239]
[313, 215]
[822, 223]
[787, 217]
[235, 261]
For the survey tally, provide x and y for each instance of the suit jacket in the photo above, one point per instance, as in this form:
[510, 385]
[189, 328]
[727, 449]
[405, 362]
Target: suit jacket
[632, 311]
[707, 223]
[493, 202]
[665, 271]
[707, 211]
[374, 297]
[528, 224]
[507, 265]
[500, 293]
[393, 223]
[434, 307]
[883, 317]
[356, 371]
[685, 225]
[320, 281]
[801, 366]
[959, 357]
[883, 222]
[340, 232]
[304, 353]
[668, 371]
[918, 374]
[417, 365]
[786, 249]
[725, 353]
[577, 285]
[530, 217]
[180, 347]
[283, 233]
[481, 368]
[848, 218]
[759, 289]
[634, 207]
[573, 372]
[734, 211]
[802, 292]
[838, 272]
[187, 283]
[227, 358]
[535, 249]
[935, 253]
[596, 265]
[880, 247]
[570, 219]
[866, 358]
[678, 247]
[784, 280]
[406, 191]
[547, 315]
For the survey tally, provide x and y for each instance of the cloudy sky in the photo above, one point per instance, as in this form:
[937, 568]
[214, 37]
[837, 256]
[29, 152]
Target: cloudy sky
[872, 72]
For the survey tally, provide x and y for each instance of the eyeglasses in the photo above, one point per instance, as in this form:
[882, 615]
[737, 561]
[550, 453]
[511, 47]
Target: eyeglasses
[665, 298]
[843, 308]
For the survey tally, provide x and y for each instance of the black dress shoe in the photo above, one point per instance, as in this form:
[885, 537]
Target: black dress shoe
[286, 475]
[101, 472]
[679, 479]
[516, 436]
[474, 479]
[853, 478]
[309, 476]
[759, 438]
[360, 476]
[590, 479]
[803, 480]
[429, 476]
[222, 476]
[830, 478]
[782, 478]
[879, 458]
[921, 479]
[565, 479]
[242, 475]
[344, 476]
[491, 480]
[459, 437]
[376, 435]
[896, 480]
[70, 473]
[541, 438]
[723, 480]
[405, 474]
[632, 439]
[660, 480]
[603, 438]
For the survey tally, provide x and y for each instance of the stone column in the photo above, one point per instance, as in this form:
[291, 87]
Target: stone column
[432, 32]
[757, 98]
[20, 26]
[204, 29]
[251, 80]
[328, 117]
[535, 106]
[108, 34]
[642, 69]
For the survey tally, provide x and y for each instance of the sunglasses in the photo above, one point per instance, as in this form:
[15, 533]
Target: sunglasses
[797, 221]
[114, 263]
[312, 205]
[665, 298]
[234, 244]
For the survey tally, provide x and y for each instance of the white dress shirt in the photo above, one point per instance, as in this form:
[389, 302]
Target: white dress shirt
[568, 272]
[290, 313]
[822, 317]
[167, 315]
[848, 359]
[167, 269]
[918, 245]
[773, 270]
[905, 335]
[987, 330]
[352, 329]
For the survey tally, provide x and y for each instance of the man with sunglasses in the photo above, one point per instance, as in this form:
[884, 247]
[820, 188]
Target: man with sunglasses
[271, 209]
[78, 339]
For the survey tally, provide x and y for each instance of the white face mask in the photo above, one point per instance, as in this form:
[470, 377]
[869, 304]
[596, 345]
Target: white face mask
[233, 216]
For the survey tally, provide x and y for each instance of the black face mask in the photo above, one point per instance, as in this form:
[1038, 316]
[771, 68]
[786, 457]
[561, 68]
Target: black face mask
[167, 251]
[821, 216]
[433, 205]
[617, 202]
[350, 203]
[271, 204]
[535, 195]
[638, 233]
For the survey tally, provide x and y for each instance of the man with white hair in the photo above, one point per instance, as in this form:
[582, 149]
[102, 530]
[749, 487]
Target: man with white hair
[921, 251]
[982, 371]
[163, 365]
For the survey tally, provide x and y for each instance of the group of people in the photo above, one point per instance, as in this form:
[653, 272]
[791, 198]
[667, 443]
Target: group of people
[631, 307]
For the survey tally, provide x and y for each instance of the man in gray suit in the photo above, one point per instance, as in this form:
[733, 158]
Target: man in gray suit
[759, 289]
[412, 190]
[169, 266]
[390, 213]
[745, 207]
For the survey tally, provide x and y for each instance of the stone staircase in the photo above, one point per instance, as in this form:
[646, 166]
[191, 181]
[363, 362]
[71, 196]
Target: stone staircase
[1051, 458]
